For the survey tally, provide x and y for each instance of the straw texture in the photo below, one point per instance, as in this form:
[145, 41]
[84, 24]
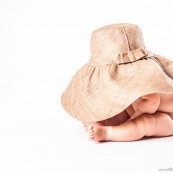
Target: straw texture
[119, 71]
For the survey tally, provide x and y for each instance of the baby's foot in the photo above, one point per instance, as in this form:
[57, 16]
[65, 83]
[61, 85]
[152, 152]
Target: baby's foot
[99, 133]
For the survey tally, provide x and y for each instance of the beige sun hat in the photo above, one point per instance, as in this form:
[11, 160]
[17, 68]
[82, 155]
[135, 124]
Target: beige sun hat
[119, 71]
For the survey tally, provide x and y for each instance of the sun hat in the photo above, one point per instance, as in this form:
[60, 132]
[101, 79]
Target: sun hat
[119, 71]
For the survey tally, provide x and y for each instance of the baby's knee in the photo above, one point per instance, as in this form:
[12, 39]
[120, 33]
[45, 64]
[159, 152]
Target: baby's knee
[158, 124]
[145, 122]
[162, 118]
[161, 115]
[145, 119]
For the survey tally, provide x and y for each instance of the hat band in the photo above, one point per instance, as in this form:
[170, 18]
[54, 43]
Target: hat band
[122, 58]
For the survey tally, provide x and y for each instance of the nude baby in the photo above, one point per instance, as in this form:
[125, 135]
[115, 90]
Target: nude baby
[149, 115]
[125, 80]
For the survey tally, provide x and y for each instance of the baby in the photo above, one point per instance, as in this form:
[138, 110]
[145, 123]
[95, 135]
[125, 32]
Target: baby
[149, 115]
[124, 92]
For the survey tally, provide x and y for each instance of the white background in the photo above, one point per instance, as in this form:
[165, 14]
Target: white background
[42, 44]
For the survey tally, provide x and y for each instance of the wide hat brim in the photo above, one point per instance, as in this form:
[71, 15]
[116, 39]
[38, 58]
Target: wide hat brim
[97, 93]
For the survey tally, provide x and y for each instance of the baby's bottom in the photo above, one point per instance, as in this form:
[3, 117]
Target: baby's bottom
[158, 124]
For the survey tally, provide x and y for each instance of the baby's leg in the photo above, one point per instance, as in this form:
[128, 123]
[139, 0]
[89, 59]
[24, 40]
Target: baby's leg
[158, 124]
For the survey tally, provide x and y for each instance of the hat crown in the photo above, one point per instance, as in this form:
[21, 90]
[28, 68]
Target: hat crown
[111, 40]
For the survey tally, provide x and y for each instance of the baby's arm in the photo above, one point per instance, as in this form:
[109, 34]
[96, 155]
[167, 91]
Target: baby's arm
[149, 104]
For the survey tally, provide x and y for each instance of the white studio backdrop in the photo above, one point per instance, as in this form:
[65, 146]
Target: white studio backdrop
[42, 44]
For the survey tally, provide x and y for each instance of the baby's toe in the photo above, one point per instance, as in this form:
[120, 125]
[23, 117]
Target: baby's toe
[91, 136]
[89, 127]
[90, 132]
